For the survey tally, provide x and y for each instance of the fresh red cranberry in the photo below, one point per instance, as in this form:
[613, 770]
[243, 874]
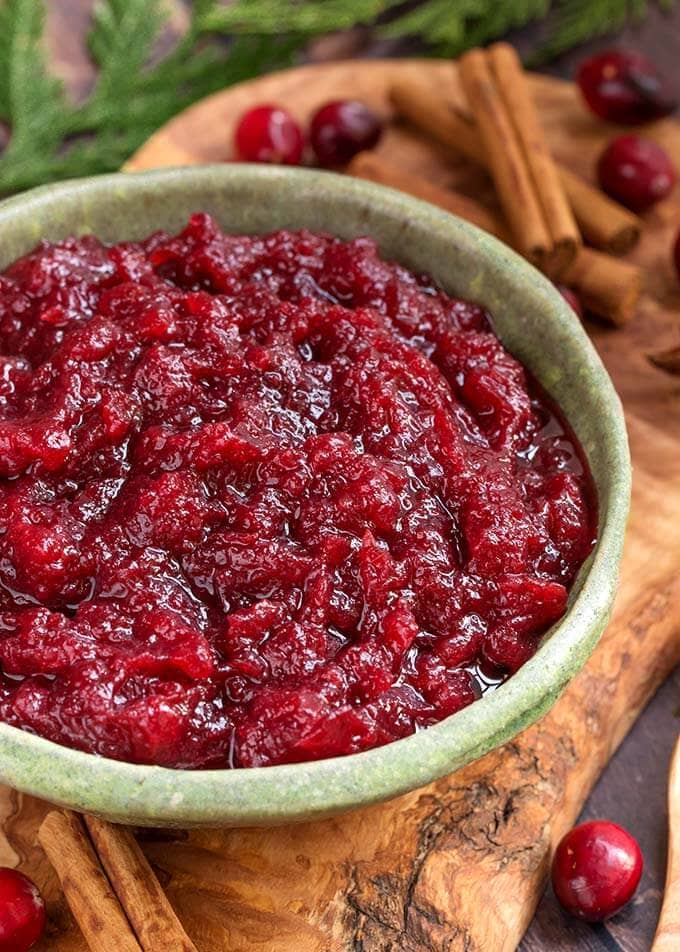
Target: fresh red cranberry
[572, 299]
[269, 134]
[676, 254]
[596, 869]
[625, 88]
[22, 912]
[636, 172]
[342, 128]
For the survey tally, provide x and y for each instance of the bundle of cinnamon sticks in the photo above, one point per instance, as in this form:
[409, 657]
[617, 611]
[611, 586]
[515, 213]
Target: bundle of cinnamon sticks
[110, 887]
[547, 211]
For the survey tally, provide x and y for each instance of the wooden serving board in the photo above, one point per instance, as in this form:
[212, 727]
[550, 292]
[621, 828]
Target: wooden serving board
[461, 864]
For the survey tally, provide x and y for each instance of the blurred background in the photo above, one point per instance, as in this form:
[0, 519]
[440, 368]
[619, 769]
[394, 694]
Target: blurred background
[84, 82]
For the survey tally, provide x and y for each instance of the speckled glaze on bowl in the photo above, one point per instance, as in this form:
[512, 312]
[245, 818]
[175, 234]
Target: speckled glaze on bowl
[534, 323]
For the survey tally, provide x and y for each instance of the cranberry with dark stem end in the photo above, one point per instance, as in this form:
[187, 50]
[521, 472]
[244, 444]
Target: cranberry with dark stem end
[636, 172]
[342, 128]
[596, 870]
[572, 299]
[22, 912]
[269, 134]
[625, 88]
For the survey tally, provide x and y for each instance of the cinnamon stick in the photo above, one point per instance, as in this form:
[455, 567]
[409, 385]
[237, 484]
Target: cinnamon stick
[369, 165]
[514, 91]
[607, 286]
[446, 124]
[154, 920]
[506, 162]
[603, 222]
[87, 890]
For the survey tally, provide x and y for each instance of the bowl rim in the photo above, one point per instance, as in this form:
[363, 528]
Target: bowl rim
[149, 795]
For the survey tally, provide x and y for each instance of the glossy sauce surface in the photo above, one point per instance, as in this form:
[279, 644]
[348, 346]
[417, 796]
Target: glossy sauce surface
[265, 500]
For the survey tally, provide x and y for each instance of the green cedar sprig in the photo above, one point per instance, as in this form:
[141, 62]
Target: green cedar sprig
[51, 139]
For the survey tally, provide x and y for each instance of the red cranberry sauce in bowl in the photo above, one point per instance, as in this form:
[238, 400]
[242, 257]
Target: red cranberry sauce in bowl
[265, 499]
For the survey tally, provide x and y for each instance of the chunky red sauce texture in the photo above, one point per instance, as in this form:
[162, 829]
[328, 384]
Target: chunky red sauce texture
[265, 500]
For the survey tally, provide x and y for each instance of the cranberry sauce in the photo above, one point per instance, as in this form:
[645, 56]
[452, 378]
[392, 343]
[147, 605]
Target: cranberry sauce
[265, 500]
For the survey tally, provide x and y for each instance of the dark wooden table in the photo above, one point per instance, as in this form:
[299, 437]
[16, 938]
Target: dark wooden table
[632, 790]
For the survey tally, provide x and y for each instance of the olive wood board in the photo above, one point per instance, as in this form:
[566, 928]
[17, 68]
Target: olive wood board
[462, 863]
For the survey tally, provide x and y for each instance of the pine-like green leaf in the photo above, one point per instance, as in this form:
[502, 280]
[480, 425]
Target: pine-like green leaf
[580, 20]
[31, 101]
[293, 16]
[122, 35]
[134, 93]
[130, 98]
[451, 28]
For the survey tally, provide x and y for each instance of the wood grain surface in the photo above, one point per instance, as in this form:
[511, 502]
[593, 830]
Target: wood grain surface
[460, 864]
[667, 938]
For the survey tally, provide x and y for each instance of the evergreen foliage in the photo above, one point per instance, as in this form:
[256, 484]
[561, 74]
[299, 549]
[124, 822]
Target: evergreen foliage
[50, 139]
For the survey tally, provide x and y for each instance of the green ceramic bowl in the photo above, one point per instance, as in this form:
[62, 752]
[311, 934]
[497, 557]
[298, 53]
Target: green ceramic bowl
[534, 323]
